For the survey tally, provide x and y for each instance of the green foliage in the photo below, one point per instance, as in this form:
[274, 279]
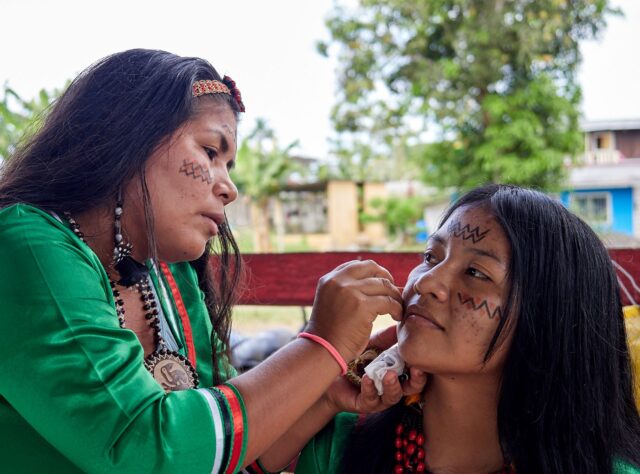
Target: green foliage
[361, 161]
[20, 118]
[495, 79]
[262, 169]
[262, 166]
[398, 214]
[528, 136]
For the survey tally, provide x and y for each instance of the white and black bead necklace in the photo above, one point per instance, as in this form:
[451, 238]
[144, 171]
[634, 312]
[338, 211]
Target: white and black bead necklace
[172, 370]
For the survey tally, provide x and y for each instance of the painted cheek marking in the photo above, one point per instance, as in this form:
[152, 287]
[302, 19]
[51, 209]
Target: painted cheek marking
[466, 300]
[196, 171]
[466, 232]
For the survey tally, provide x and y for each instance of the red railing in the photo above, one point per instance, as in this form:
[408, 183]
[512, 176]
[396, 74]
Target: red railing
[291, 278]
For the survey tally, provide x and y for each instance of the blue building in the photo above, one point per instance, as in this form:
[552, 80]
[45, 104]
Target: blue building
[604, 188]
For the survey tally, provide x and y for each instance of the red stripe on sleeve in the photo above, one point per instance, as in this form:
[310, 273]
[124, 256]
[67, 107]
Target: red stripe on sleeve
[238, 427]
[182, 311]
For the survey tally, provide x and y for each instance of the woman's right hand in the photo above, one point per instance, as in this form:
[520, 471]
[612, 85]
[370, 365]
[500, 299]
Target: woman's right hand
[348, 300]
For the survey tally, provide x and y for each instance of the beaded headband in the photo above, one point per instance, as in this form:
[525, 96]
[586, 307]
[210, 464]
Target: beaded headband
[227, 86]
[209, 87]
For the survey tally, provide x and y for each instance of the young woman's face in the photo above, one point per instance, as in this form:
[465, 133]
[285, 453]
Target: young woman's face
[455, 298]
[189, 183]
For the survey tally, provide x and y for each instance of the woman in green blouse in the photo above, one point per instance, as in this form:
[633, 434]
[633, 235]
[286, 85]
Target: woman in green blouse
[111, 365]
[515, 315]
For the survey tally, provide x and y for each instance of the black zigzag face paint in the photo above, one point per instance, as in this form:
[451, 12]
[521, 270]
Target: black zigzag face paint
[483, 306]
[196, 171]
[467, 232]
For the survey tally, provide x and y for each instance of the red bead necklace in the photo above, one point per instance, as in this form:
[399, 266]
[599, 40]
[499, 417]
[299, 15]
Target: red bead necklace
[409, 441]
[409, 455]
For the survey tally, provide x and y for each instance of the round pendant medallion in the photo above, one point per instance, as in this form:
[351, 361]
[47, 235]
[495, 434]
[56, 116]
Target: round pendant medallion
[171, 370]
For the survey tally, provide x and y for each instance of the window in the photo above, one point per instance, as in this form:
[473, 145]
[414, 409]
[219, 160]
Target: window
[604, 141]
[599, 143]
[305, 212]
[594, 208]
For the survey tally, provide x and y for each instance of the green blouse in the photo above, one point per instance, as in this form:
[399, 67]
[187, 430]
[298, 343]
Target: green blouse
[74, 394]
[323, 454]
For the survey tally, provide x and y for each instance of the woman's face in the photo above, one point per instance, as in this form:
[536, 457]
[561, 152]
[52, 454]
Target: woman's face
[455, 298]
[189, 184]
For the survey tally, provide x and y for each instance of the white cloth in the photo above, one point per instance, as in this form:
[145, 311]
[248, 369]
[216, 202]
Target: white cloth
[388, 360]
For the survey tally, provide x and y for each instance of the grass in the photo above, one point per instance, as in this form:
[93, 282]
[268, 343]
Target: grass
[253, 319]
[250, 320]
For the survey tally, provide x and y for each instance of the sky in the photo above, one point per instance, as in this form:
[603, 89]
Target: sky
[267, 47]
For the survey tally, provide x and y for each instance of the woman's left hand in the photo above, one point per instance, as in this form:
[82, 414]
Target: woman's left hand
[344, 396]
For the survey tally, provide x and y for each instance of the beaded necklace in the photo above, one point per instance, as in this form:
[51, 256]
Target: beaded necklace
[172, 370]
[409, 456]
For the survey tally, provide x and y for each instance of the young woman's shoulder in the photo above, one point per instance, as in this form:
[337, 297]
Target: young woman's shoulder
[323, 454]
[621, 467]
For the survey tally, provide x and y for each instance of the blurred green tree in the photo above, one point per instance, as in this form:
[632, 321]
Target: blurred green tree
[399, 214]
[262, 168]
[474, 91]
[20, 118]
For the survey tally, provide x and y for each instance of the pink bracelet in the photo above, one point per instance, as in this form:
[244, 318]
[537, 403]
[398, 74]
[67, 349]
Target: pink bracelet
[327, 345]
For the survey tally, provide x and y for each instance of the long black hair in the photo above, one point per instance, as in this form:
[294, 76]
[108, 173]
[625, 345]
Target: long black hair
[99, 134]
[566, 399]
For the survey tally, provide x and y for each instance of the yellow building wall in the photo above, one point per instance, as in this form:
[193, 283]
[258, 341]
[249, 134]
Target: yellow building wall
[344, 232]
[342, 213]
